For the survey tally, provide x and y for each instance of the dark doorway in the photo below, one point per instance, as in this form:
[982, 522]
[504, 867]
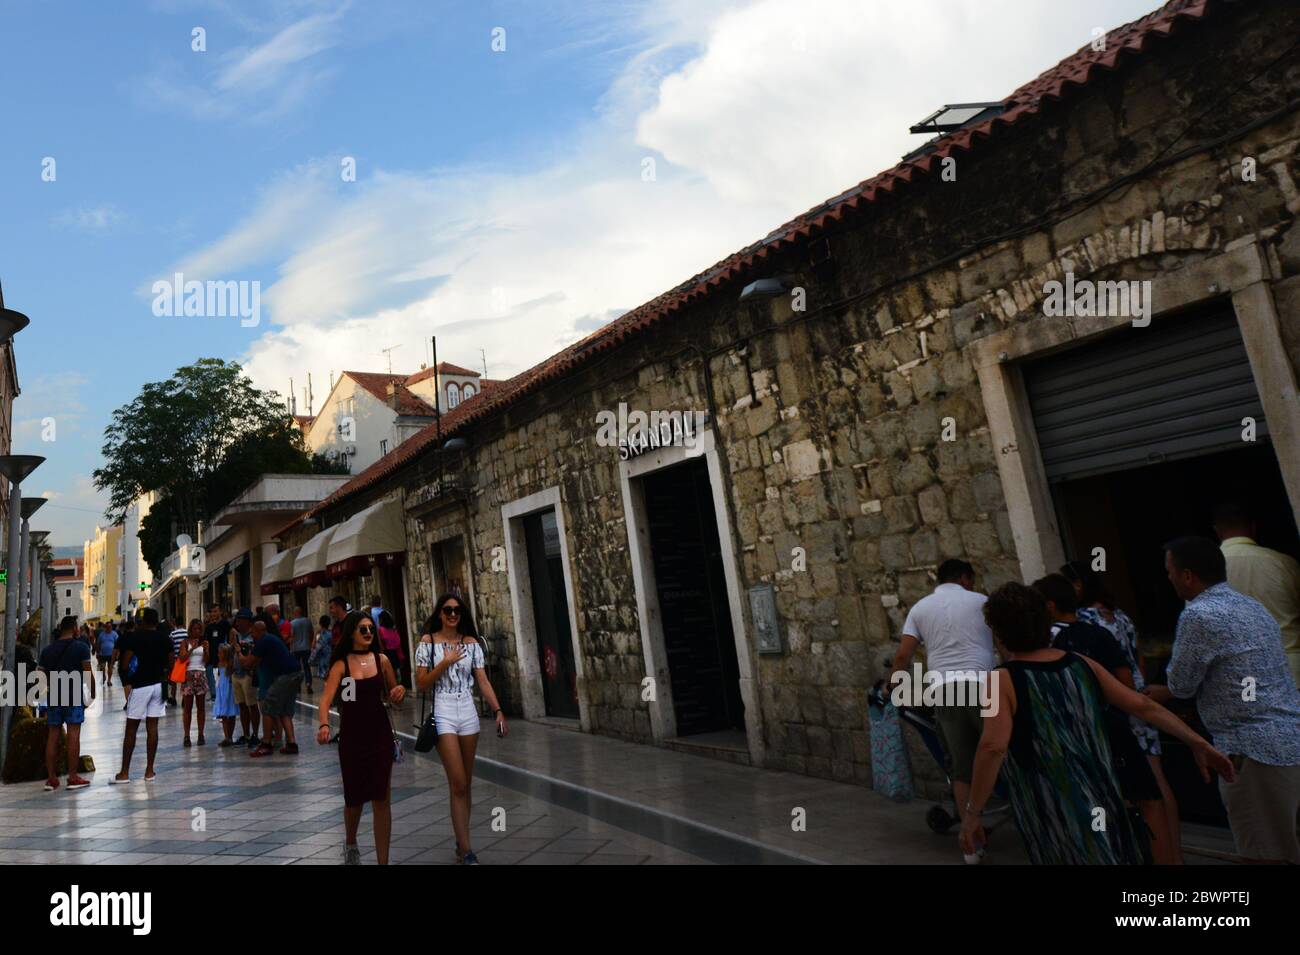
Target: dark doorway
[698, 638]
[551, 614]
[1131, 514]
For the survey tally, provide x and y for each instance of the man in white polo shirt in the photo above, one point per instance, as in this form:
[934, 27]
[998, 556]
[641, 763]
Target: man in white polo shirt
[1268, 576]
[958, 645]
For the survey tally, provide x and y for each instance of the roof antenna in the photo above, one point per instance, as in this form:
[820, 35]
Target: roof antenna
[389, 352]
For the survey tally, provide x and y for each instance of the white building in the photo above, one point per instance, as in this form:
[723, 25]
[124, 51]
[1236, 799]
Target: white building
[65, 576]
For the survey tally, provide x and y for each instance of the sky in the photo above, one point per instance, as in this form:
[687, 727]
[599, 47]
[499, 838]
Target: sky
[507, 176]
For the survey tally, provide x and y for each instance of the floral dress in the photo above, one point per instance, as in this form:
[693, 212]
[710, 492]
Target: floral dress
[1125, 634]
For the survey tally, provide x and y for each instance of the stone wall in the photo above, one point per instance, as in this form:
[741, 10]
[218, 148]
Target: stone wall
[831, 422]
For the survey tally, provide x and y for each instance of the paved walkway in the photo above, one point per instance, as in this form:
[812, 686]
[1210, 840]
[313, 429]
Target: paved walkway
[280, 810]
[568, 797]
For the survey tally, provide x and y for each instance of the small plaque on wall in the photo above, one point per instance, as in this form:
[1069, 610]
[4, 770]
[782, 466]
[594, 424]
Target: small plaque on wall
[767, 626]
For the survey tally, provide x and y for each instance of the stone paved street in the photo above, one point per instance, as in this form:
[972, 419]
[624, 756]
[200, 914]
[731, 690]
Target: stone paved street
[281, 810]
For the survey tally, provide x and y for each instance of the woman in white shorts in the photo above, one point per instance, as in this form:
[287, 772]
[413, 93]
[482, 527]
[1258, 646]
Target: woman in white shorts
[449, 660]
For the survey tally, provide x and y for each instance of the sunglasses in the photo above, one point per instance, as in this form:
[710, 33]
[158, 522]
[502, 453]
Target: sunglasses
[451, 611]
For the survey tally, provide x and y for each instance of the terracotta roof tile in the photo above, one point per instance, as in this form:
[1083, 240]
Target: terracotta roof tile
[408, 403]
[1070, 74]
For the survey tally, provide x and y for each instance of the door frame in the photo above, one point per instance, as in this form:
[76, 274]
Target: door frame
[519, 578]
[1240, 274]
[663, 717]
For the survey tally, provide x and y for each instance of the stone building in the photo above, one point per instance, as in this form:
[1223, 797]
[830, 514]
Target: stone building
[881, 384]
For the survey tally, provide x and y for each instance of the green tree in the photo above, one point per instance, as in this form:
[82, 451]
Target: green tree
[196, 440]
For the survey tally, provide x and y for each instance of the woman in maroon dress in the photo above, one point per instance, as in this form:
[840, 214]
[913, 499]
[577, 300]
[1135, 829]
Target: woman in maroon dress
[365, 733]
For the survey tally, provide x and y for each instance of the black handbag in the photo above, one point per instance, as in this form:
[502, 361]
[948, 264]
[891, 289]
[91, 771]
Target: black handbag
[428, 738]
[427, 741]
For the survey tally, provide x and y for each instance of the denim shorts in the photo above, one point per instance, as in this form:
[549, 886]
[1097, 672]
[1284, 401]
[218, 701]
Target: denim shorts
[72, 715]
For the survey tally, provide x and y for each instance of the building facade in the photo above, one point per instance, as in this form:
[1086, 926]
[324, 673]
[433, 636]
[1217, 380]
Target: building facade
[1067, 331]
[66, 577]
[365, 416]
[101, 597]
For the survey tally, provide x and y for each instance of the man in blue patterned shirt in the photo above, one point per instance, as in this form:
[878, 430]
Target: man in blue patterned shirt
[1228, 655]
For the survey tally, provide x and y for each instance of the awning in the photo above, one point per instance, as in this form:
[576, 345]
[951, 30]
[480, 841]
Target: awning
[154, 594]
[369, 538]
[309, 565]
[277, 574]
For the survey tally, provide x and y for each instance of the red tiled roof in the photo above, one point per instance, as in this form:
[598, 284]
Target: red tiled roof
[444, 368]
[408, 403]
[1071, 74]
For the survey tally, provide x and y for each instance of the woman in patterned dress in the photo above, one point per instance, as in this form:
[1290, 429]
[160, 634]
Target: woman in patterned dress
[1045, 729]
[1097, 606]
[449, 660]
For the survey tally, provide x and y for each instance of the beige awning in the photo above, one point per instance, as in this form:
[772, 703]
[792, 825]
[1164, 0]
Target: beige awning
[378, 531]
[309, 565]
[280, 568]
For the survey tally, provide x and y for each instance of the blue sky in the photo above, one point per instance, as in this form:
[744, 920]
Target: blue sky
[501, 199]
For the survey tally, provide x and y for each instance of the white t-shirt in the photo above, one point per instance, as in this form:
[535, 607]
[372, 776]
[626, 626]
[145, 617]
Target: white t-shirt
[950, 622]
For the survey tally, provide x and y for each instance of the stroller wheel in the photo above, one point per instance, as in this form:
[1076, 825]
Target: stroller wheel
[938, 819]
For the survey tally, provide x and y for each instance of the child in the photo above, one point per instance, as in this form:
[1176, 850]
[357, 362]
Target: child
[324, 646]
[225, 709]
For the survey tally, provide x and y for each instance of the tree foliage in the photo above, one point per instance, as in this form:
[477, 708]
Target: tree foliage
[197, 440]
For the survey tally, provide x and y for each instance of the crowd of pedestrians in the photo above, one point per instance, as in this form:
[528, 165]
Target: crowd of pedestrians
[1072, 728]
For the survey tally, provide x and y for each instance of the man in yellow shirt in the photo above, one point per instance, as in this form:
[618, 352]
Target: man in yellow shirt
[1270, 577]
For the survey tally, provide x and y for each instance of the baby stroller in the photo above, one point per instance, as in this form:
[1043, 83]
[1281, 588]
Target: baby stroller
[938, 818]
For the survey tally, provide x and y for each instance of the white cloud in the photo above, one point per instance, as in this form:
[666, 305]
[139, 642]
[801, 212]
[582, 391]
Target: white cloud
[800, 99]
[257, 83]
[100, 218]
[753, 112]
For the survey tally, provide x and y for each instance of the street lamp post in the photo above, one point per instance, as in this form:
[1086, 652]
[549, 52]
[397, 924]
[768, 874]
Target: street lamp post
[15, 468]
[27, 579]
[36, 600]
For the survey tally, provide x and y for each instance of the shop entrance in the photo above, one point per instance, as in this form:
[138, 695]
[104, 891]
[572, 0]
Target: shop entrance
[1142, 436]
[689, 578]
[551, 614]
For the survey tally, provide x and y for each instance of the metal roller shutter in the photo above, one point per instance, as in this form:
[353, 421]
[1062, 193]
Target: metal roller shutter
[1176, 389]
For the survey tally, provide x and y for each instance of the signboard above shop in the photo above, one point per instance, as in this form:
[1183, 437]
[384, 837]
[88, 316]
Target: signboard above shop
[640, 432]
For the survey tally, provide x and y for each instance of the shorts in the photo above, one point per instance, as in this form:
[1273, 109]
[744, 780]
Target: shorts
[1262, 806]
[960, 728]
[58, 715]
[145, 702]
[282, 694]
[455, 713]
[196, 684]
[245, 692]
